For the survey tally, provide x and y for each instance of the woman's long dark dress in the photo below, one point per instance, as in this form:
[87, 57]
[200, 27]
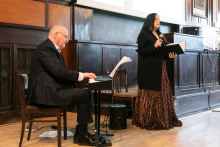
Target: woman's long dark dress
[154, 107]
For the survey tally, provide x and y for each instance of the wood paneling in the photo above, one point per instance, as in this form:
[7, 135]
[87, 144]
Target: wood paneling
[83, 23]
[26, 12]
[89, 60]
[9, 116]
[22, 35]
[188, 73]
[64, 52]
[111, 57]
[60, 15]
[131, 67]
[210, 68]
[92, 56]
[71, 56]
[16, 44]
[214, 98]
[186, 104]
[5, 79]
[195, 76]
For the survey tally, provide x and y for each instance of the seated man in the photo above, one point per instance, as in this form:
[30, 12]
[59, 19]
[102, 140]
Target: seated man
[52, 84]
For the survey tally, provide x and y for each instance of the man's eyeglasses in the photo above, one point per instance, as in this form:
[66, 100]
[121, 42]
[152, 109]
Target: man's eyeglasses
[63, 35]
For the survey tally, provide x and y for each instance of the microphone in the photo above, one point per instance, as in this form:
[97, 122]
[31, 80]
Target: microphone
[161, 36]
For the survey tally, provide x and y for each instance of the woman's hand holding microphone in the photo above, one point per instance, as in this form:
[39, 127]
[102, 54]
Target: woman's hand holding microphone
[158, 43]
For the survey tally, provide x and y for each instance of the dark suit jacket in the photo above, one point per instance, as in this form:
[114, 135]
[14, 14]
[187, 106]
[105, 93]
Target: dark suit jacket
[50, 82]
[151, 63]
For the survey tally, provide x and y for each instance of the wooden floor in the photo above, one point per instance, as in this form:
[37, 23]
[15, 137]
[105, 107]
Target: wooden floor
[198, 131]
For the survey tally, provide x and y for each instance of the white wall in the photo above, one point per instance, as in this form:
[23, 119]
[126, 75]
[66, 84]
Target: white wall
[171, 11]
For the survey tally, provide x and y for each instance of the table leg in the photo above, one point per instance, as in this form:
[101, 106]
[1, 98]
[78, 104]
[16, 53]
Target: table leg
[96, 119]
[99, 98]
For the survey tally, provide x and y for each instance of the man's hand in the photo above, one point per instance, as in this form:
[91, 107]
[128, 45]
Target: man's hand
[89, 76]
[172, 55]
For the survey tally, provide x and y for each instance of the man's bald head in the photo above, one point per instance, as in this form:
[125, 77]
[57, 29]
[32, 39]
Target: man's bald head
[55, 29]
[59, 35]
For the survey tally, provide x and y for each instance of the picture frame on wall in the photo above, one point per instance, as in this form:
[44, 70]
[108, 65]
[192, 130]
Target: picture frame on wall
[199, 8]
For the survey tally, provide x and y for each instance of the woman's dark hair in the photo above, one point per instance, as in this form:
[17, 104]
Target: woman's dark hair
[149, 23]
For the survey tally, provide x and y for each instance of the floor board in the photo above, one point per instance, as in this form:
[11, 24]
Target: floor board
[198, 131]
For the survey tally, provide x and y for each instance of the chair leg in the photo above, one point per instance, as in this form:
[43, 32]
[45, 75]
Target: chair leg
[30, 127]
[132, 109]
[127, 107]
[59, 128]
[22, 129]
[65, 124]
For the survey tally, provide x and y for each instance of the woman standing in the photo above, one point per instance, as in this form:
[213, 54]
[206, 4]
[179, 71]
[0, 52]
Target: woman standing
[154, 108]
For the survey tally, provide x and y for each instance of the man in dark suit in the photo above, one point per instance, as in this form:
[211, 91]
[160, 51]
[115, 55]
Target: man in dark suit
[52, 84]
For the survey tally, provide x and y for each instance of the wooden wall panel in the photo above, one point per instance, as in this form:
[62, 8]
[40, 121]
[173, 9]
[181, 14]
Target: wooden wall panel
[89, 60]
[84, 24]
[5, 77]
[22, 35]
[25, 12]
[188, 69]
[131, 67]
[111, 57]
[210, 67]
[214, 98]
[21, 61]
[184, 105]
[60, 15]
[64, 52]
[71, 56]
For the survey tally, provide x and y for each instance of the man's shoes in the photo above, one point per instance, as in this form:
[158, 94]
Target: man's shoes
[75, 138]
[87, 141]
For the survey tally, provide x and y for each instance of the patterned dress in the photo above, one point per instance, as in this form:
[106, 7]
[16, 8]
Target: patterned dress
[154, 110]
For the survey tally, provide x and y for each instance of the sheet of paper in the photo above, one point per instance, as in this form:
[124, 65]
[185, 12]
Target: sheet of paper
[53, 134]
[123, 60]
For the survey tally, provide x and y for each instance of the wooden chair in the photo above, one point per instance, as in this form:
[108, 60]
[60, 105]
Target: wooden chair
[22, 82]
[129, 96]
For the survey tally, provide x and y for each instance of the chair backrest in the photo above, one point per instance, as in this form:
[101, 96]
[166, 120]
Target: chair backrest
[117, 81]
[22, 81]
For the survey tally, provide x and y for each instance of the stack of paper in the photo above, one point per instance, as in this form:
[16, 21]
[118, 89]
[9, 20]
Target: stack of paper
[53, 134]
